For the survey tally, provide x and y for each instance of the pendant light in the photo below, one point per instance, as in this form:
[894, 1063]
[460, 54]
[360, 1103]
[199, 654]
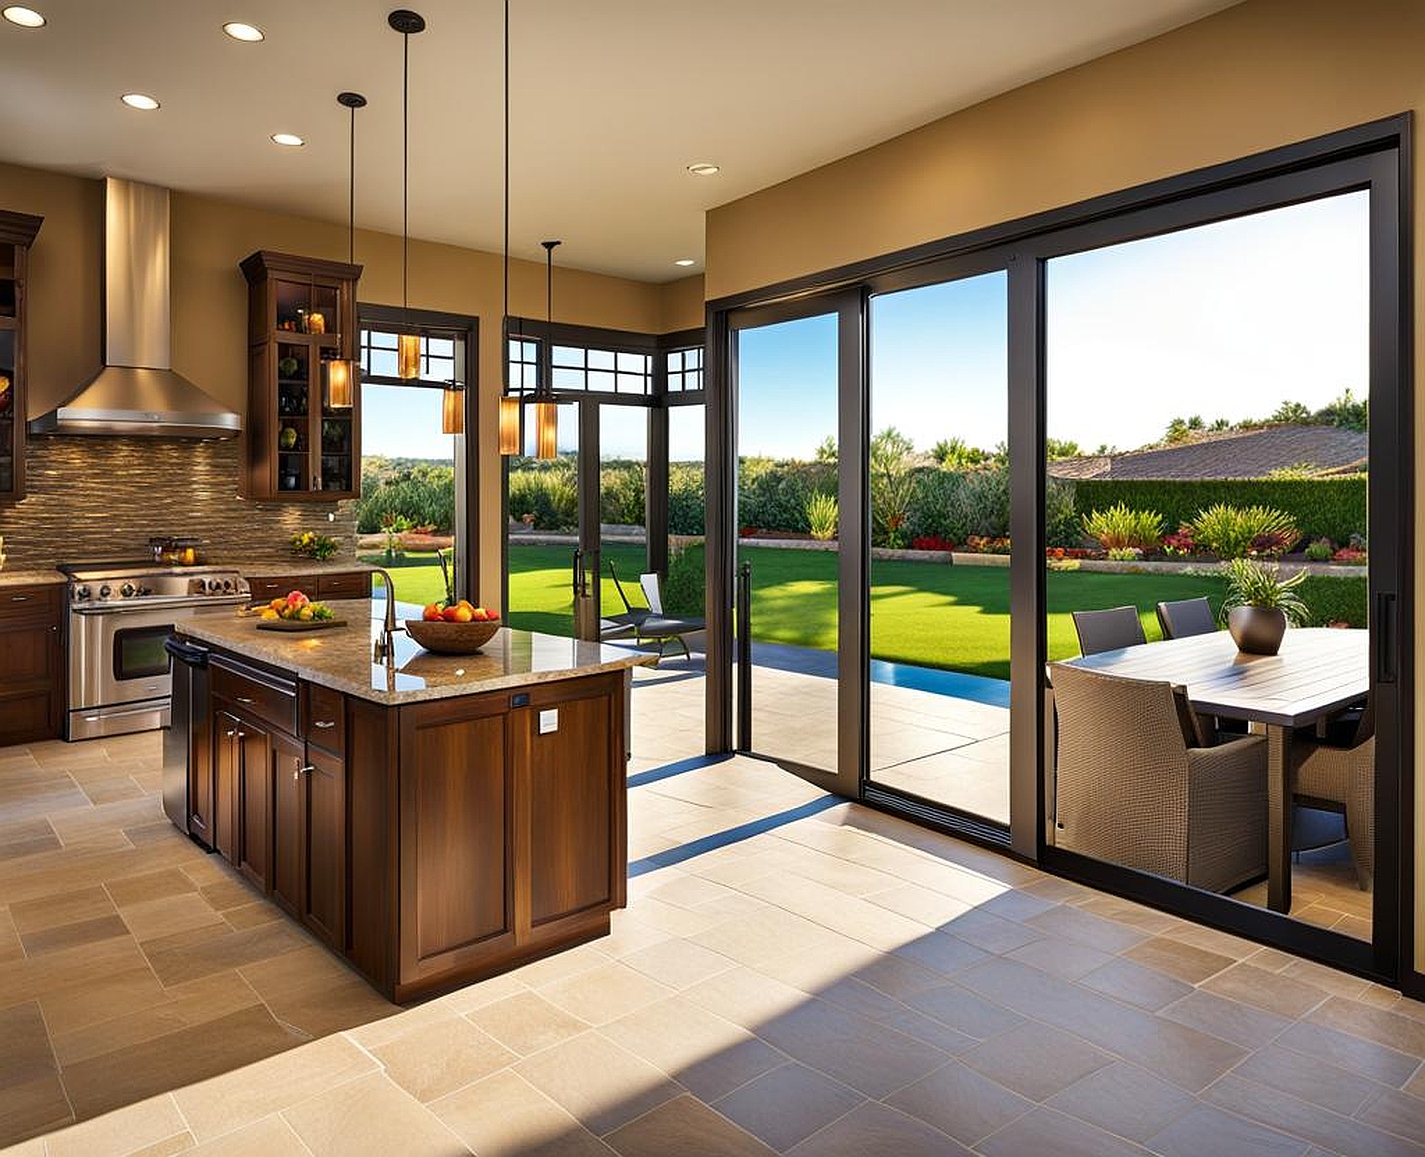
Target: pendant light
[342, 371]
[408, 345]
[546, 409]
[509, 426]
[452, 409]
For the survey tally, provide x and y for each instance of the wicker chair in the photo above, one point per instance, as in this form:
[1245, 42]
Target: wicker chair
[1343, 779]
[1133, 787]
[1109, 630]
[1184, 617]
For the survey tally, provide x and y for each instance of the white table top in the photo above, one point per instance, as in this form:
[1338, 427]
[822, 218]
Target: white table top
[1318, 671]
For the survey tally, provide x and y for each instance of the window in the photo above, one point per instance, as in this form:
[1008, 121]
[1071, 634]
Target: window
[685, 370]
[439, 356]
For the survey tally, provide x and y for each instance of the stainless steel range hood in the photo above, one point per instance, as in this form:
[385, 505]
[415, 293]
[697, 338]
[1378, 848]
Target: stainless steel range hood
[137, 392]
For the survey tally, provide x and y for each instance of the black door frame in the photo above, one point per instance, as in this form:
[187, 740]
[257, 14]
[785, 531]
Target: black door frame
[1375, 156]
[465, 327]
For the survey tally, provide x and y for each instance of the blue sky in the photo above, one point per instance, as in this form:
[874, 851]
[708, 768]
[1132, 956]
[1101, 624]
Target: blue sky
[1224, 320]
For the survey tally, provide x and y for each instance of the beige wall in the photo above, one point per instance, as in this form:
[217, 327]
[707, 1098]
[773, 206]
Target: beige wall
[1256, 76]
[210, 299]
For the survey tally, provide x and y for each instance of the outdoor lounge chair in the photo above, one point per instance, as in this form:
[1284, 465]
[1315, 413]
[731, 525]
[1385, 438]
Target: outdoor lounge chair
[1133, 787]
[648, 624]
[1109, 630]
[1186, 617]
[1343, 779]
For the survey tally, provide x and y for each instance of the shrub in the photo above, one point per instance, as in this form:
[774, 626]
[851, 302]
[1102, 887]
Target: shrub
[1062, 526]
[423, 496]
[822, 516]
[1334, 599]
[1124, 553]
[1321, 550]
[686, 512]
[1254, 584]
[1180, 543]
[931, 542]
[683, 592]
[1121, 528]
[1333, 507]
[550, 495]
[623, 494]
[1238, 531]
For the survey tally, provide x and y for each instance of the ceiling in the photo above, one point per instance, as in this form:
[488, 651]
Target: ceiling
[611, 100]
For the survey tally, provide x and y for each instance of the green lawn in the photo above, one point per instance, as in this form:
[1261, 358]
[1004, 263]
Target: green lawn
[927, 614]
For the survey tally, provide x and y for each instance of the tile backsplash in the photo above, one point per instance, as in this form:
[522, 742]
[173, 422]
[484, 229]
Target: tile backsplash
[103, 498]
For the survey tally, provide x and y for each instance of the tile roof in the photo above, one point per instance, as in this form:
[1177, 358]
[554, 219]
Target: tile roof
[1230, 454]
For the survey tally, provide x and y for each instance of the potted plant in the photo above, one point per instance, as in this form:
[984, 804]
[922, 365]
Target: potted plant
[1260, 604]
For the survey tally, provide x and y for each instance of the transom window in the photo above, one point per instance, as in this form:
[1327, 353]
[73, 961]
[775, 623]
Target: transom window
[377, 349]
[685, 370]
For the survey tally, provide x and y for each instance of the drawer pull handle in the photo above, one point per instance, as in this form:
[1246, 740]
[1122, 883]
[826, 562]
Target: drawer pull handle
[325, 724]
[244, 699]
[19, 598]
[242, 734]
[230, 733]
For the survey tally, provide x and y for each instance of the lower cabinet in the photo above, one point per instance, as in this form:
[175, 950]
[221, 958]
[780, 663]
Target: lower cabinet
[242, 778]
[32, 675]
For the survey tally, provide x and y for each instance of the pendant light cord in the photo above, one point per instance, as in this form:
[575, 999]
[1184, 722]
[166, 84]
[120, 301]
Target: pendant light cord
[351, 197]
[405, 172]
[505, 320]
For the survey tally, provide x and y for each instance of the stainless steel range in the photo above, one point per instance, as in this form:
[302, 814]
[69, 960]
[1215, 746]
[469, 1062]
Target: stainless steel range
[120, 613]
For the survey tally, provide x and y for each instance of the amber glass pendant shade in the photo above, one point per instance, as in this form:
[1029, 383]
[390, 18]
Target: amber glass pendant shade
[408, 356]
[509, 424]
[452, 411]
[546, 429]
[341, 374]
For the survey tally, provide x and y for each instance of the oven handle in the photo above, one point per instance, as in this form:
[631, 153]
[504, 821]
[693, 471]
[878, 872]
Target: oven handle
[138, 606]
[189, 653]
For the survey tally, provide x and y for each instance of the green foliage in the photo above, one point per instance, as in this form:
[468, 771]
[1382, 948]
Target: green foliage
[1234, 532]
[686, 512]
[550, 495]
[1120, 527]
[1061, 520]
[956, 454]
[1335, 599]
[1333, 508]
[1056, 448]
[822, 514]
[623, 489]
[772, 495]
[826, 452]
[684, 591]
[1254, 584]
[1289, 413]
[421, 492]
[1347, 411]
[1321, 550]
[1295, 470]
[957, 504]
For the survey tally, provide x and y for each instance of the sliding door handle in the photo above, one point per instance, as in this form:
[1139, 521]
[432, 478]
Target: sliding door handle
[1387, 649]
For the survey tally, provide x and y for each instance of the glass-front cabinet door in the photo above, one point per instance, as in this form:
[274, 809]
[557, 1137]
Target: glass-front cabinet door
[303, 437]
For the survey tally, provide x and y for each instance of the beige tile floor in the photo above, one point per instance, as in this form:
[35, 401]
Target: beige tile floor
[843, 984]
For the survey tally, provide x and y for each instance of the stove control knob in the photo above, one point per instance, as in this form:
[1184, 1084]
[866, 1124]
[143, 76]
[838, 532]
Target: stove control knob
[104, 591]
[81, 595]
[227, 586]
[128, 590]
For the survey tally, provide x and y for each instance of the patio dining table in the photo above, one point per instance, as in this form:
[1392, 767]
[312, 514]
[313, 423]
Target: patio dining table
[1317, 673]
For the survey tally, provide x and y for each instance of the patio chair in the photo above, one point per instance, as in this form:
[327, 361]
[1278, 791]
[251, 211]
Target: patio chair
[1134, 787]
[1110, 630]
[626, 622]
[1343, 779]
[660, 627]
[1186, 617]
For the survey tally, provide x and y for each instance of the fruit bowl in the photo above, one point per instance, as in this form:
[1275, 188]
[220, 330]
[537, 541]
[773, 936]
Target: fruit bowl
[451, 638]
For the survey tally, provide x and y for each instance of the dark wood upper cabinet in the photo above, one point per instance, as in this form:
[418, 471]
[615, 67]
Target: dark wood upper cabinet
[301, 314]
[17, 234]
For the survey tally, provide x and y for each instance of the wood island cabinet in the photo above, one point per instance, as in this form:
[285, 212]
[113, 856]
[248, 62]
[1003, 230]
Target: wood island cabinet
[355, 584]
[32, 670]
[431, 843]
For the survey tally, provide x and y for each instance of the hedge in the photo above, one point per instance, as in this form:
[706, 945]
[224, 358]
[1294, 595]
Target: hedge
[1335, 599]
[1333, 508]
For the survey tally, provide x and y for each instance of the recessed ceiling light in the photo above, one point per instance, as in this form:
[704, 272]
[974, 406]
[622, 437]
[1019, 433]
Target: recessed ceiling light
[685, 261]
[703, 169]
[248, 33]
[289, 140]
[24, 17]
[139, 100]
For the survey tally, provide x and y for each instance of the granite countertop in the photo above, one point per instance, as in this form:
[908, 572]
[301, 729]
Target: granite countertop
[26, 578]
[340, 657]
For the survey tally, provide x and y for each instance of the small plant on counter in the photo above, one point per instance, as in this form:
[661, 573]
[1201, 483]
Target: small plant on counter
[318, 546]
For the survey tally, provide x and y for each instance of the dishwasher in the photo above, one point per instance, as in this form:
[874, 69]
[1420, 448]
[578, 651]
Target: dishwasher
[188, 743]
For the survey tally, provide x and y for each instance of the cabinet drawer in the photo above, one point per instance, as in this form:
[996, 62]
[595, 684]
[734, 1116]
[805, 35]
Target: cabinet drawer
[326, 719]
[265, 696]
[265, 588]
[38, 603]
[354, 585]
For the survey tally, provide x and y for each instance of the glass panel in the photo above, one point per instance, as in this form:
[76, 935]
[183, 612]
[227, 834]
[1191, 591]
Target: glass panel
[686, 469]
[139, 652]
[939, 481]
[1206, 415]
[787, 411]
[568, 356]
[294, 449]
[601, 381]
[566, 379]
[633, 363]
[632, 384]
[623, 549]
[544, 530]
[323, 315]
[601, 359]
[293, 301]
[407, 508]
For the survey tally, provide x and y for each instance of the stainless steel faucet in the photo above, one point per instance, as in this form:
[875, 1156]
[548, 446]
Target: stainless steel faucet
[386, 642]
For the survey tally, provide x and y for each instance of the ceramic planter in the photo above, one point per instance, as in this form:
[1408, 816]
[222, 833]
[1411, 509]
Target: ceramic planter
[1257, 630]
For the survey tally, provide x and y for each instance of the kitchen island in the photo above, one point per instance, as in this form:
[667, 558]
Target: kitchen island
[435, 819]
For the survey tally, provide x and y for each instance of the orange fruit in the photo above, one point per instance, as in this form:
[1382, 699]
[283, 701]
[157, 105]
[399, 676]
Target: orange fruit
[459, 614]
[431, 614]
